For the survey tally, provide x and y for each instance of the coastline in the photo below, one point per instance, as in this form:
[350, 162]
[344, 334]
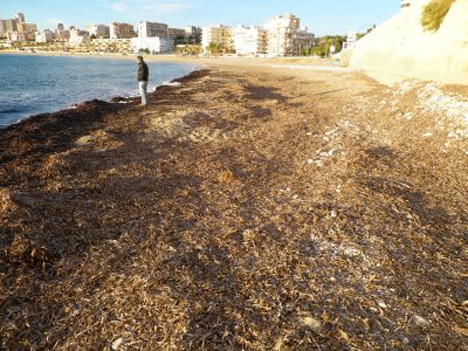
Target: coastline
[116, 98]
[246, 208]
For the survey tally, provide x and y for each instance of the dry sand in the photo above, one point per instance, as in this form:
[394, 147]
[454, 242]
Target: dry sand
[248, 208]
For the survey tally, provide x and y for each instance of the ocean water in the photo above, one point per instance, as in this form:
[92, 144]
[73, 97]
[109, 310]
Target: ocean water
[30, 84]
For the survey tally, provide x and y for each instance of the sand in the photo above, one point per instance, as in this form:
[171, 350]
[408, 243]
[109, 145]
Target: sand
[246, 208]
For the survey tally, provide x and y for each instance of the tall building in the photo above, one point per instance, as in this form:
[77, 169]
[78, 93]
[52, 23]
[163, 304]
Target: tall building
[152, 29]
[27, 31]
[220, 35]
[194, 34]
[176, 33]
[98, 30]
[250, 40]
[121, 31]
[10, 25]
[280, 34]
[3, 30]
[285, 38]
[19, 17]
[60, 26]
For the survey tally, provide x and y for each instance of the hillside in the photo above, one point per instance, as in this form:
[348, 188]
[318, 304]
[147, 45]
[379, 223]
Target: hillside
[400, 48]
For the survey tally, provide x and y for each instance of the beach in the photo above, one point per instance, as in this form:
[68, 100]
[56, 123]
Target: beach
[250, 206]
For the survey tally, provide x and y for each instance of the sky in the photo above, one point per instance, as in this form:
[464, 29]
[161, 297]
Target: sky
[321, 17]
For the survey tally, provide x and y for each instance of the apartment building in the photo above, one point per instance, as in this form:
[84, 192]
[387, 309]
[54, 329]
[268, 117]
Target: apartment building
[10, 25]
[250, 40]
[220, 35]
[3, 30]
[121, 31]
[174, 33]
[78, 37]
[152, 29]
[45, 37]
[281, 30]
[98, 30]
[27, 31]
[155, 45]
[19, 17]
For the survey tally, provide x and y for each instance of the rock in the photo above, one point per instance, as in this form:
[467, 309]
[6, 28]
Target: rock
[421, 322]
[312, 323]
[381, 304]
[116, 344]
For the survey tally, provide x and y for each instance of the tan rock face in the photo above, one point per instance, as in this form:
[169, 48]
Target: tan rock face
[400, 48]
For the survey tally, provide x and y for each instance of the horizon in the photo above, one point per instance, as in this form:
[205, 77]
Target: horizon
[335, 17]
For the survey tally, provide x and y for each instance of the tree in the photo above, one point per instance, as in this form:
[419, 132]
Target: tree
[323, 45]
[215, 48]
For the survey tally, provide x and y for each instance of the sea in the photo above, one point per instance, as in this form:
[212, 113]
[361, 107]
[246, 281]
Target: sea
[33, 84]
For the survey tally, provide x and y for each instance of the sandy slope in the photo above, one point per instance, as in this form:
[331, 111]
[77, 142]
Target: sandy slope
[400, 49]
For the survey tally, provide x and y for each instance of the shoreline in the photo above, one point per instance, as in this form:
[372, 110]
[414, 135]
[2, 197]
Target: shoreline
[121, 99]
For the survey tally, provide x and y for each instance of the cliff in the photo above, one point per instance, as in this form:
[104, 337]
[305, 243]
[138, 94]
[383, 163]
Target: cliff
[400, 48]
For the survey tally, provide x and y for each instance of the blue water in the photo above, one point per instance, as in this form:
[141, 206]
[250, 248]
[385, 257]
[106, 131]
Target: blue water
[31, 84]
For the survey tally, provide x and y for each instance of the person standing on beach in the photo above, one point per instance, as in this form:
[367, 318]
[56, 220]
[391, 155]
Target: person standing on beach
[143, 73]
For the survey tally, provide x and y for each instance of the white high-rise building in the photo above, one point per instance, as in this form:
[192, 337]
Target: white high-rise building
[250, 40]
[152, 29]
[286, 38]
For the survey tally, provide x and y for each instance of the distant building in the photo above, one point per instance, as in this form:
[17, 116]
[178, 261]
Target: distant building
[152, 29]
[174, 33]
[45, 36]
[122, 31]
[19, 17]
[98, 30]
[114, 46]
[220, 35]
[194, 34]
[155, 45]
[60, 26]
[10, 25]
[27, 31]
[62, 35]
[78, 37]
[3, 30]
[286, 38]
[250, 40]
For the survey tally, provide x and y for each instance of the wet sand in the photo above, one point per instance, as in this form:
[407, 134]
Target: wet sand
[249, 207]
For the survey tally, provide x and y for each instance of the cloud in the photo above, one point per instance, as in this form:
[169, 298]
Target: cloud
[145, 7]
[120, 6]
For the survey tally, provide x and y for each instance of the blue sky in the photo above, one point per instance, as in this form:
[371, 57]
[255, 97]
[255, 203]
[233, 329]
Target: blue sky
[321, 17]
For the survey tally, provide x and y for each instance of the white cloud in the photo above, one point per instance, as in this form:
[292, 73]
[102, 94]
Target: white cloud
[120, 6]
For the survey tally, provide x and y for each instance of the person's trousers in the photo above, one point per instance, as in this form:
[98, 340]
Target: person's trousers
[143, 87]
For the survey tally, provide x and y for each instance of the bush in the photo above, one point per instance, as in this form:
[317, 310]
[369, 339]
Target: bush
[434, 14]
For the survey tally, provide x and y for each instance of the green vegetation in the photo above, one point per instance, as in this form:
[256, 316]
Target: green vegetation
[434, 14]
[218, 49]
[144, 51]
[323, 45]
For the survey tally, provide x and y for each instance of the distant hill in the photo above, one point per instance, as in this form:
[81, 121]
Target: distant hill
[403, 48]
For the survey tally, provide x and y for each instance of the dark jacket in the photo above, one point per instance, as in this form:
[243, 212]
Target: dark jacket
[143, 72]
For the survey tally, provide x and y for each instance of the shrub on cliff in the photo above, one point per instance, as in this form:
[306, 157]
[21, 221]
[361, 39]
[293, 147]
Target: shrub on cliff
[434, 14]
